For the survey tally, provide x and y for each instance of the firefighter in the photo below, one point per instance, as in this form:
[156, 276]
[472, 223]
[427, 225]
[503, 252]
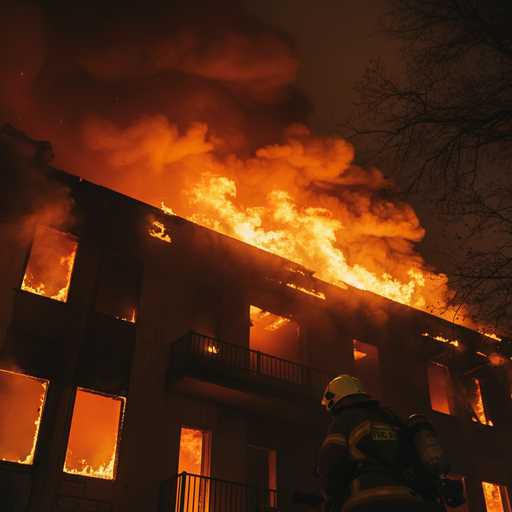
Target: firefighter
[358, 462]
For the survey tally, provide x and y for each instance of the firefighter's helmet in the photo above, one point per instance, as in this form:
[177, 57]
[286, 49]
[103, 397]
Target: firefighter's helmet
[341, 387]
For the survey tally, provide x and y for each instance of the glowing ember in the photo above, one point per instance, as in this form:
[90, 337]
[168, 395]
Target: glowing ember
[493, 499]
[50, 264]
[493, 336]
[92, 445]
[21, 402]
[132, 319]
[481, 354]
[320, 295]
[158, 231]
[277, 324]
[455, 343]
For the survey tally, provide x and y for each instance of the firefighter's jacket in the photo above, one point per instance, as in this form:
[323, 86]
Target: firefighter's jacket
[348, 472]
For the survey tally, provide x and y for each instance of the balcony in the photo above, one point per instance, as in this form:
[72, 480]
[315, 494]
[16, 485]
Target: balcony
[240, 369]
[192, 493]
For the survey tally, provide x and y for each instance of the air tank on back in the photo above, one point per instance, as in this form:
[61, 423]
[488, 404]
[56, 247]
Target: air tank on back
[424, 440]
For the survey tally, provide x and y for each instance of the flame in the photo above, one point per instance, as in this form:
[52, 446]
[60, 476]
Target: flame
[492, 495]
[158, 231]
[191, 451]
[306, 235]
[359, 355]
[48, 270]
[132, 319]
[213, 350]
[455, 343]
[277, 324]
[93, 438]
[22, 403]
[320, 295]
[477, 403]
[493, 336]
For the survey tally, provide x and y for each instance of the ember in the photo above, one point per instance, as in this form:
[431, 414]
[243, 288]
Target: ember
[22, 401]
[158, 231]
[455, 343]
[50, 264]
[93, 438]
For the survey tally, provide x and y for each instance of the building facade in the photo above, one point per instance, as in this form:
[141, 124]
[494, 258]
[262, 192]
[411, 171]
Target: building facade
[138, 349]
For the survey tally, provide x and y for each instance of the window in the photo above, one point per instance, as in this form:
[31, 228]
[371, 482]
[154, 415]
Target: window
[93, 439]
[194, 451]
[442, 397]
[50, 264]
[22, 401]
[195, 460]
[475, 402]
[274, 335]
[118, 289]
[366, 360]
[496, 497]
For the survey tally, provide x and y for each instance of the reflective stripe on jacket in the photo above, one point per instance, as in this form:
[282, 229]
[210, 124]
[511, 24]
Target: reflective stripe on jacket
[354, 434]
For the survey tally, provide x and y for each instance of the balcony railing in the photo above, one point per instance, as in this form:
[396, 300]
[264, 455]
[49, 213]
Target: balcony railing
[220, 357]
[192, 493]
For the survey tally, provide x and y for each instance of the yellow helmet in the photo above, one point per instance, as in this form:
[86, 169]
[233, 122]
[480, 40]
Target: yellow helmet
[339, 388]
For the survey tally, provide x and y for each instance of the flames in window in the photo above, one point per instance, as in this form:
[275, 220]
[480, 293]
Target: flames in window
[495, 497]
[22, 400]
[93, 439]
[50, 264]
[475, 402]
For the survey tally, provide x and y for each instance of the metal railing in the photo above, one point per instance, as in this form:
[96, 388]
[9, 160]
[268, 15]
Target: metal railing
[193, 493]
[210, 352]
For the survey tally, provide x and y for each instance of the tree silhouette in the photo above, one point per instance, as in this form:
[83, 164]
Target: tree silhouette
[444, 129]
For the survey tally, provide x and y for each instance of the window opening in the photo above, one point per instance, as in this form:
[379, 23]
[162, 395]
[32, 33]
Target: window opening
[50, 264]
[274, 335]
[475, 402]
[464, 507]
[22, 400]
[442, 397]
[93, 443]
[496, 497]
[366, 361]
[118, 289]
[194, 459]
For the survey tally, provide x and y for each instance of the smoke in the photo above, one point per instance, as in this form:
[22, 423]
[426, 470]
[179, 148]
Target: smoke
[193, 104]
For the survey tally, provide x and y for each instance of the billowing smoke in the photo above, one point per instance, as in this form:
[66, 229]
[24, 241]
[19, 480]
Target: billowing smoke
[193, 104]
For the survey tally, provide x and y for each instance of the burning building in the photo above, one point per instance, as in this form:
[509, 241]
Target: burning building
[149, 363]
